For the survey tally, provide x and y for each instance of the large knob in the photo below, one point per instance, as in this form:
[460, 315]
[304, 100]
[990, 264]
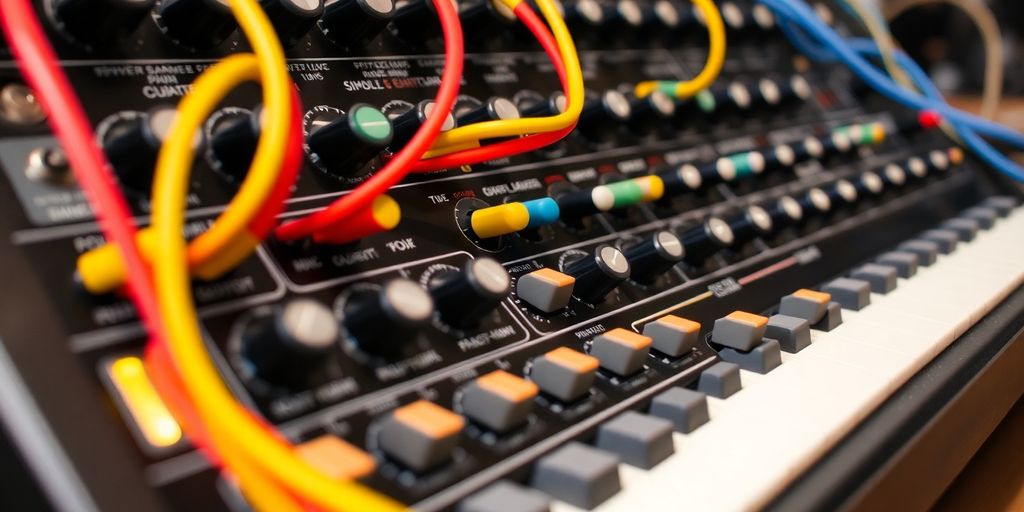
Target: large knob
[197, 23]
[132, 143]
[465, 297]
[752, 223]
[382, 321]
[354, 23]
[289, 342]
[416, 21]
[651, 258]
[233, 141]
[406, 124]
[345, 144]
[495, 108]
[703, 241]
[598, 274]
[603, 114]
[292, 19]
[101, 21]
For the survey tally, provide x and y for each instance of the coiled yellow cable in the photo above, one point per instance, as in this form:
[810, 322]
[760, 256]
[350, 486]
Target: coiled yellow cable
[465, 137]
[258, 458]
[712, 67]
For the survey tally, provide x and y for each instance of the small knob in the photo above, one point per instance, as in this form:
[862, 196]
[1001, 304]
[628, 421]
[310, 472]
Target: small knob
[345, 144]
[753, 222]
[584, 16]
[603, 114]
[869, 184]
[197, 23]
[552, 105]
[817, 201]
[703, 241]
[728, 98]
[465, 297]
[650, 111]
[292, 19]
[406, 124]
[354, 23]
[685, 178]
[101, 21]
[233, 142]
[654, 256]
[623, 16]
[485, 19]
[495, 108]
[416, 21]
[383, 320]
[786, 211]
[842, 192]
[132, 144]
[598, 274]
[289, 342]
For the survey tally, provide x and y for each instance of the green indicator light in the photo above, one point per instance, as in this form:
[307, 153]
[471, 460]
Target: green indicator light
[742, 163]
[371, 124]
[706, 101]
[626, 193]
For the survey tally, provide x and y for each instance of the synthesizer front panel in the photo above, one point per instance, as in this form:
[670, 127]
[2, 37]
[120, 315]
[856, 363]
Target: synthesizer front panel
[377, 366]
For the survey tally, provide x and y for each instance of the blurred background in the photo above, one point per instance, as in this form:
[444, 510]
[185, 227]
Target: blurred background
[949, 45]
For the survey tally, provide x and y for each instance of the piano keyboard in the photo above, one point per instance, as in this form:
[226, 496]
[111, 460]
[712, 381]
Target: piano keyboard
[780, 423]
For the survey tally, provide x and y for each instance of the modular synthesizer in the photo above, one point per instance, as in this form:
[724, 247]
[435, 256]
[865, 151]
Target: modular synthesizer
[683, 299]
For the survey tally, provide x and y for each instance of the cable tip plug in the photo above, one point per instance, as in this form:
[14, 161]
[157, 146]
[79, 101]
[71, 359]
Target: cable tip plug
[383, 215]
[929, 119]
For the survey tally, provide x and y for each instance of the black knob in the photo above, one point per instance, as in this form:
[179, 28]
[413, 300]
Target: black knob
[682, 179]
[762, 17]
[654, 256]
[465, 297]
[486, 19]
[779, 157]
[416, 21]
[672, 15]
[835, 143]
[808, 149]
[603, 114]
[584, 16]
[552, 105]
[382, 321]
[703, 241]
[724, 99]
[767, 93]
[842, 192]
[786, 211]
[869, 184]
[287, 342]
[132, 143]
[101, 21]
[752, 223]
[894, 175]
[598, 274]
[197, 23]
[815, 201]
[292, 19]
[623, 16]
[735, 17]
[408, 123]
[354, 23]
[345, 144]
[797, 88]
[650, 111]
[494, 109]
[233, 139]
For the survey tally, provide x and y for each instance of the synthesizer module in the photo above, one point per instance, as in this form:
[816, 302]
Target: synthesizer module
[559, 329]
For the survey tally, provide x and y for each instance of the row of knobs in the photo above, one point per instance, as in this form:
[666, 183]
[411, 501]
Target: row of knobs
[343, 142]
[379, 320]
[354, 23]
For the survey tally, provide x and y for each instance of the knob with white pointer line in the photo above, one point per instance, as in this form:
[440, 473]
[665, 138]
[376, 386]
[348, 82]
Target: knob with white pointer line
[462, 298]
[383, 320]
[598, 274]
[292, 19]
[286, 343]
[354, 23]
[198, 24]
[703, 241]
[344, 144]
[101, 21]
[654, 256]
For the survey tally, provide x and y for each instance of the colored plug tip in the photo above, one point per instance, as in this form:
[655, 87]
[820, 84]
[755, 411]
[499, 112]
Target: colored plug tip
[382, 215]
[929, 119]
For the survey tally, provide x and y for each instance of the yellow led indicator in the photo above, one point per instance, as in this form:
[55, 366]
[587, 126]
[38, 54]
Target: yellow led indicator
[499, 220]
[140, 398]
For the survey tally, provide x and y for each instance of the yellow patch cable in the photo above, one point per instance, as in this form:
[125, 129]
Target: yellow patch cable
[712, 67]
